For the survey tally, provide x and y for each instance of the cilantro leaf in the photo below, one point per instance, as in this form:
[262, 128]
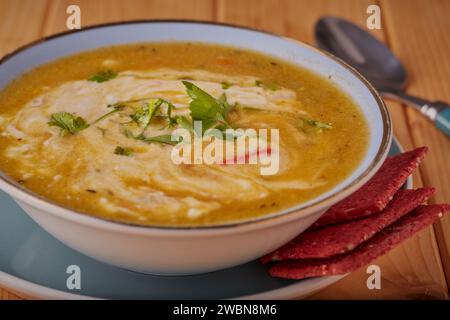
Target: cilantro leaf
[313, 126]
[267, 85]
[205, 108]
[116, 108]
[123, 151]
[184, 122]
[103, 76]
[144, 114]
[68, 123]
[225, 85]
[226, 106]
[170, 108]
[318, 124]
[163, 139]
[130, 134]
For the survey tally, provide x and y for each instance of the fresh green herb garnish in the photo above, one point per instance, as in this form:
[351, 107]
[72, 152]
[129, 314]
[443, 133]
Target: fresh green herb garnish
[164, 139]
[168, 113]
[123, 151]
[311, 126]
[68, 123]
[318, 124]
[184, 122]
[225, 85]
[130, 134]
[144, 114]
[268, 86]
[116, 108]
[205, 108]
[251, 108]
[103, 76]
[170, 108]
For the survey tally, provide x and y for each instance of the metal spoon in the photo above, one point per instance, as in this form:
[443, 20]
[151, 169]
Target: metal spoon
[378, 64]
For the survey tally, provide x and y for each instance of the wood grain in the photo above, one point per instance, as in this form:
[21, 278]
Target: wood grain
[413, 270]
[103, 11]
[427, 57]
[21, 23]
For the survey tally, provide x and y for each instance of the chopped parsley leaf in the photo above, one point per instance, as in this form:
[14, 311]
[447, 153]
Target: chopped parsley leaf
[163, 139]
[67, 122]
[225, 85]
[318, 124]
[267, 86]
[103, 76]
[123, 151]
[184, 122]
[144, 114]
[210, 111]
[116, 108]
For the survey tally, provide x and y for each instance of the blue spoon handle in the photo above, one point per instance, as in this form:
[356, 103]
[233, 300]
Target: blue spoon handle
[443, 121]
[437, 111]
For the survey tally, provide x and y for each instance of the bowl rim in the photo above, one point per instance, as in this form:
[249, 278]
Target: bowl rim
[19, 192]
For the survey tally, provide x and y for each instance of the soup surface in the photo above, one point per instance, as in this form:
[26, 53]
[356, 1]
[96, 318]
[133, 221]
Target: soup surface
[93, 131]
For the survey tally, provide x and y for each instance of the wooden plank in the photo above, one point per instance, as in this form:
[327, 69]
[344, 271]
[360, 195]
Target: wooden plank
[413, 269]
[12, 294]
[21, 23]
[291, 18]
[424, 47]
[103, 11]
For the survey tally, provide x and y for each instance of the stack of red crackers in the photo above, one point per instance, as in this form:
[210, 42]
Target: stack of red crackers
[362, 227]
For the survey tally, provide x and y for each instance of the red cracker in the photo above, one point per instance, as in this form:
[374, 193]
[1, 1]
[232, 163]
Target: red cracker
[380, 244]
[340, 238]
[377, 192]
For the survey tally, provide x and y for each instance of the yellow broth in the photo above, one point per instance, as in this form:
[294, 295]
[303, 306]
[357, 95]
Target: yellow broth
[144, 191]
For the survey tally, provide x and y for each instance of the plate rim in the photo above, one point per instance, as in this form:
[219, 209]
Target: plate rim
[37, 291]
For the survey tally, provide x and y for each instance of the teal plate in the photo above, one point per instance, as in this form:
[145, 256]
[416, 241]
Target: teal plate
[35, 263]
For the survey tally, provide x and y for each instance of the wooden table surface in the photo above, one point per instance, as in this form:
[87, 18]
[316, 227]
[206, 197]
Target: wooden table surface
[416, 30]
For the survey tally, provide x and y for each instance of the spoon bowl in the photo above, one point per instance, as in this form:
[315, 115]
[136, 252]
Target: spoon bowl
[363, 51]
[378, 64]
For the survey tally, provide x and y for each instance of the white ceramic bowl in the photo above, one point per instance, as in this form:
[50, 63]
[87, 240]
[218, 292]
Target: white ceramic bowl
[172, 251]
